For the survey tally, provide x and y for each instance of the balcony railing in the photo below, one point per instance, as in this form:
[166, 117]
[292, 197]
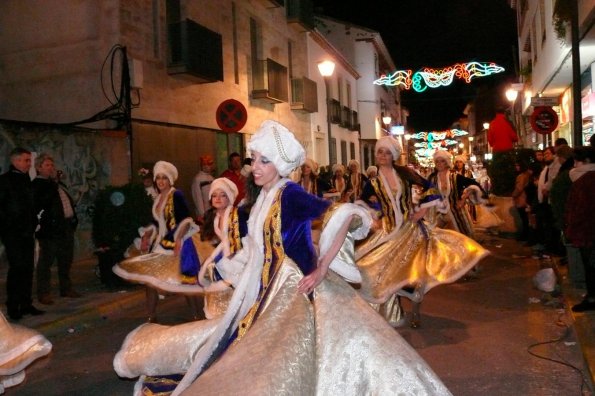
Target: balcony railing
[354, 121]
[335, 111]
[345, 117]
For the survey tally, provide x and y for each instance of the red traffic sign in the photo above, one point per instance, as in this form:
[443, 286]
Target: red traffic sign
[544, 120]
[231, 115]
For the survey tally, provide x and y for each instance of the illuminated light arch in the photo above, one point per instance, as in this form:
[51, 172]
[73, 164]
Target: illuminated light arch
[435, 78]
[433, 136]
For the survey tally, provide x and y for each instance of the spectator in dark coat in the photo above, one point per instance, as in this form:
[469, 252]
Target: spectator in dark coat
[17, 228]
[57, 224]
[579, 219]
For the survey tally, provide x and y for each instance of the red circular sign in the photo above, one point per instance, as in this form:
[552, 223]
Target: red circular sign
[231, 115]
[544, 120]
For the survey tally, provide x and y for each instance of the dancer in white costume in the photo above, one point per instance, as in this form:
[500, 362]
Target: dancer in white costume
[19, 347]
[285, 333]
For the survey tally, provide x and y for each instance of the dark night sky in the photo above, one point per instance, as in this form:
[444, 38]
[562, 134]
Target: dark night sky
[437, 33]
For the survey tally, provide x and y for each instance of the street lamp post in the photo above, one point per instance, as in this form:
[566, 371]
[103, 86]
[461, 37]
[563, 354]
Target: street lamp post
[408, 137]
[326, 69]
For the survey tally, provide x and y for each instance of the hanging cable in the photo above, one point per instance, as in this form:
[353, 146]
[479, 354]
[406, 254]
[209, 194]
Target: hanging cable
[560, 322]
[121, 105]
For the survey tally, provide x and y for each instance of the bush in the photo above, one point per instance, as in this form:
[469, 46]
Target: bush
[119, 212]
[502, 172]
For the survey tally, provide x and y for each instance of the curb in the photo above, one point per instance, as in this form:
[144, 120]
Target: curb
[92, 313]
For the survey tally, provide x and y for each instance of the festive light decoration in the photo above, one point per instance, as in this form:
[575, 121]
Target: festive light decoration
[435, 78]
[439, 135]
[436, 145]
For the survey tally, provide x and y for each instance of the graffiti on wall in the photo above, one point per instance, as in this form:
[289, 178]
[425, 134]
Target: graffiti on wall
[83, 156]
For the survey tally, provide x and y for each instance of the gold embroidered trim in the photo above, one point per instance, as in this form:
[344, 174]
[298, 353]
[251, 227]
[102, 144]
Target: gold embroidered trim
[274, 254]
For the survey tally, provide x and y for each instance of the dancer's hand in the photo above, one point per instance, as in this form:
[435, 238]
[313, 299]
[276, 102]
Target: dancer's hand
[309, 282]
[417, 216]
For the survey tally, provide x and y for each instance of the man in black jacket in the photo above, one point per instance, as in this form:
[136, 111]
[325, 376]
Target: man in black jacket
[17, 228]
[57, 222]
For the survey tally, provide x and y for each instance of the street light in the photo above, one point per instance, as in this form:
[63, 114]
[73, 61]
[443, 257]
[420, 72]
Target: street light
[511, 95]
[326, 69]
[386, 121]
[471, 144]
[486, 125]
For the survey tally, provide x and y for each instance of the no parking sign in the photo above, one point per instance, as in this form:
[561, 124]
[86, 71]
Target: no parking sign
[544, 120]
[231, 115]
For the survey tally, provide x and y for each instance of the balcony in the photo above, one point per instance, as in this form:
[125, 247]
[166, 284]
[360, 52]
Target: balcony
[300, 13]
[269, 81]
[304, 95]
[345, 117]
[354, 122]
[335, 111]
[195, 52]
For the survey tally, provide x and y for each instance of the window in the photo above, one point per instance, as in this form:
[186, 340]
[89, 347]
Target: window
[344, 152]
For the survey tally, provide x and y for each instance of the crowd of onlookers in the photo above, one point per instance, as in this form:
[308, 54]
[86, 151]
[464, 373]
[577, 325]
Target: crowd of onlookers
[553, 197]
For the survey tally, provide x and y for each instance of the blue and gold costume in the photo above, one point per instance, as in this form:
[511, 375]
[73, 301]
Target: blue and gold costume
[403, 253]
[454, 217]
[161, 269]
[274, 340]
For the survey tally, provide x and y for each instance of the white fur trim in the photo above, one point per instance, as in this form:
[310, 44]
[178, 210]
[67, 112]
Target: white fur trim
[349, 271]
[475, 195]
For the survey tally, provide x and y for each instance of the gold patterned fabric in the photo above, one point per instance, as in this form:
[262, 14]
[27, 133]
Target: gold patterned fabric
[415, 255]
[295, 347]
[19, 347]
[402, 253]
[161, 271]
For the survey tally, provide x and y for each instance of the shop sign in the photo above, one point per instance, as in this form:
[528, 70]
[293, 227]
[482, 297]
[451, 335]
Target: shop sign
[544, 101]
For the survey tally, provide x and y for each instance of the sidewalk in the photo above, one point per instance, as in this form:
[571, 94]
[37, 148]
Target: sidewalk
[69, 314]
[98, 303]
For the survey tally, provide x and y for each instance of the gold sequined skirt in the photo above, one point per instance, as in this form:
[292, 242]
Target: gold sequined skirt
[414, 255]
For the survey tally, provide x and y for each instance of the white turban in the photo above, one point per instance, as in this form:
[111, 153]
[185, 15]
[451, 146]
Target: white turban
[371, 169]
[461, 158]
[227, 186]
[278, 144]
[352, 162]
[165, 168]
[445, 155]
[390, 143]
[337, 167]
[312, 165]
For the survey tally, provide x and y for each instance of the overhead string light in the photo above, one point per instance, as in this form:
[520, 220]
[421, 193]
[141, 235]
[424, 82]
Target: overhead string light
[435, 78]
